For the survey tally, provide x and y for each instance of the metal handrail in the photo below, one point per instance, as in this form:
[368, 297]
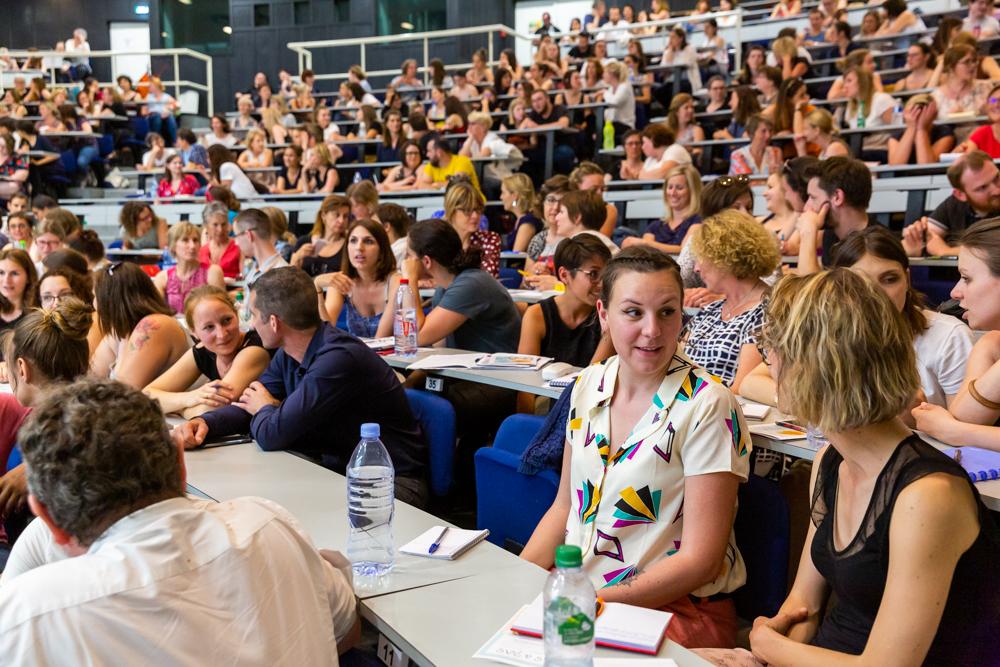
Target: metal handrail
[177, 82]
[304, 49]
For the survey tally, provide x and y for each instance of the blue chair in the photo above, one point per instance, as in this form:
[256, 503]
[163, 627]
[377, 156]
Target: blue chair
[510, 504]
[14, 459]
[342, 319]
[106, 145]
[117, 243]
[510, 278]
[763, 536]
[437, 419]
[69, 161]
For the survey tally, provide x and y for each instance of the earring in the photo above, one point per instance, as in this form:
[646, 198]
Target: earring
[513, 204]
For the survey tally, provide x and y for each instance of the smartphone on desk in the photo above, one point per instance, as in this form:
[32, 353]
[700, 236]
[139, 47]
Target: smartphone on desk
[225, 441]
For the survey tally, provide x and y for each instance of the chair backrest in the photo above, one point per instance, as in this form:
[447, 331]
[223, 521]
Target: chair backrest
[763, 538]
[105, 145]
[516, 432]
[437, 419]
[510, 278]
[140, 126]
[69, 161]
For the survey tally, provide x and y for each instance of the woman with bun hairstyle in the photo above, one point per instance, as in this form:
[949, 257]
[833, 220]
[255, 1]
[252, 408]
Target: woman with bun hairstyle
[231, 359]
[44, 349]
[141, 336]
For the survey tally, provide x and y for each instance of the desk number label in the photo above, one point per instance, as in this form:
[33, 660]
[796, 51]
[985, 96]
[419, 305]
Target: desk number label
[389, 654]
[434, 384]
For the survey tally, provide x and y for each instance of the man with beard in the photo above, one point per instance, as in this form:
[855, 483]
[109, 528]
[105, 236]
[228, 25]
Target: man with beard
[442, 164]
[976, 196]
[837, 205]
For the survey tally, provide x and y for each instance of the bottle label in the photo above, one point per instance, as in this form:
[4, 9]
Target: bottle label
[574, 626]
[404, 327]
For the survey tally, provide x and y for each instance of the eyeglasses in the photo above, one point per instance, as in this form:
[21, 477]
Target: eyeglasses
[726, 181]
[245, 231]
[595, 275]
[48, 299]
[469, 212]
[551, 201]
[994, 100]
[412, 153]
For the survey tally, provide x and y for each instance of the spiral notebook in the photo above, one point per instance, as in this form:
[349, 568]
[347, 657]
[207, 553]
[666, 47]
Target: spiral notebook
[455, 543]
[981, 464]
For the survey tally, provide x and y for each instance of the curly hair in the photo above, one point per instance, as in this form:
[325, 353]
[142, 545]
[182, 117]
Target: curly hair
[846, 353]
[95, 452]
[736, 243]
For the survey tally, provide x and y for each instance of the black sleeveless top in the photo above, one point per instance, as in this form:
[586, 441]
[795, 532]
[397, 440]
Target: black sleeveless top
[205, 360]
[572, 346]
[969, 632]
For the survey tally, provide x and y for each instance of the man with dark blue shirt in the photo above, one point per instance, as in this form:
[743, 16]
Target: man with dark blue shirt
[321, 386]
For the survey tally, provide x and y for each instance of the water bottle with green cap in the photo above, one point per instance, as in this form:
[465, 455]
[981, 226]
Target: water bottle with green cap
[569, 602]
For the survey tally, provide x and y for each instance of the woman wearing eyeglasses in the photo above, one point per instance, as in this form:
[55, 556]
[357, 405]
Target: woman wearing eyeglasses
[61, 283]
[404, 177]
[962, 92]
[463, 207]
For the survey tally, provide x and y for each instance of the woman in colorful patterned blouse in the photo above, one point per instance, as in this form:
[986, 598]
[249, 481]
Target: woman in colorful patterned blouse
[647, 431]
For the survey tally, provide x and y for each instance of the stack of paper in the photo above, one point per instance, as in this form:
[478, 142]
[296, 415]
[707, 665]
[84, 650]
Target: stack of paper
[380, 344]
[443, 361]
[620, 626]
[513, 362]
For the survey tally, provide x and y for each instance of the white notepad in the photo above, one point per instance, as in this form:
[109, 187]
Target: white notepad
[455, 543]
[620, 626]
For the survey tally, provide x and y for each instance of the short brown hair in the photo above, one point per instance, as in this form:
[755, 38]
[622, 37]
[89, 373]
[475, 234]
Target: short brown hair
[289, 294]
[255, 220]
[126, 294]
[395, 216]
[658, 134]
[386, 264]
[364, 193]
[587, 205]
[574, 252]
[585, 168]
[971, 161]
[58, 221]
[850, 176]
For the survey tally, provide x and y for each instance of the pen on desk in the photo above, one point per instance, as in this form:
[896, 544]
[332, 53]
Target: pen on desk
[437, 542]
[790, 425]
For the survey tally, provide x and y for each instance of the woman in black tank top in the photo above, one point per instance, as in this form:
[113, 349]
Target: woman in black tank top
[898, 533]
[565, 326]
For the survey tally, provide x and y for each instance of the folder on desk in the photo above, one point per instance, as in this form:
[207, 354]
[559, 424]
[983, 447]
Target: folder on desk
[981, 464]
[620, 626]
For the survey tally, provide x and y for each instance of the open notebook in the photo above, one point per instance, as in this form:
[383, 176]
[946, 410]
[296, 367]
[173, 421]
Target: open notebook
[455, 543]
[620, 626]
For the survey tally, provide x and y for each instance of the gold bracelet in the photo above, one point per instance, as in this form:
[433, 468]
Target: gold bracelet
[979, 398]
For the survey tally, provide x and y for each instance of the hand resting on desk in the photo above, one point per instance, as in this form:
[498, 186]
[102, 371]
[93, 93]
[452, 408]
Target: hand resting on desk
[190, 434]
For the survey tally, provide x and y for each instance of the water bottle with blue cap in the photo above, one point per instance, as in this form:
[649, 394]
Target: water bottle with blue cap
[370, 506]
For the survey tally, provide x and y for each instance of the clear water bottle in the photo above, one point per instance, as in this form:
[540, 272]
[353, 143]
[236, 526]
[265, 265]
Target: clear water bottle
[370, 505]
[609, 135]
[405, 326]
[243, 310]
[861, 115]
[357, 177]
[569, 602]
[815, 438]
[897, 115]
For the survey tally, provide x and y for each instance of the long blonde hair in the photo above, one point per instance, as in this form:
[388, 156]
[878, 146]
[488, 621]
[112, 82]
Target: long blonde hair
[866, 91]
[693, 179]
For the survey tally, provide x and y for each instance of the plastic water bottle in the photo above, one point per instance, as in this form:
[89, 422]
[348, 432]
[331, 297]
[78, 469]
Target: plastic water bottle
[405, 325]
[861, 115]
[815, 438]
[897, 115]
[357, 177]
[609, 135]
[243, 310]
[370, 505]
[569, 602]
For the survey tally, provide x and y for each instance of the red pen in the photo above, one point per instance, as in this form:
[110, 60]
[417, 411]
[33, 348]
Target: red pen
[790, 425]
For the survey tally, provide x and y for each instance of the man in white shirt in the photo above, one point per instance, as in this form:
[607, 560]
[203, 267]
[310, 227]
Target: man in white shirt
[662, 154]
[483, 142]
[122, 568]
[78, 44]
[255, 239]
[616, 29]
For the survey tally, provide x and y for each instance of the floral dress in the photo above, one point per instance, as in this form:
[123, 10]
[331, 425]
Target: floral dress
[628, 508]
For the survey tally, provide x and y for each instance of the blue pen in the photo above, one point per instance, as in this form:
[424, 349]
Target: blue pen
[437, 542]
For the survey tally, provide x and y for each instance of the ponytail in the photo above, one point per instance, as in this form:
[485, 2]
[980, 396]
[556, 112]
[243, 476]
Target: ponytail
[55, 343]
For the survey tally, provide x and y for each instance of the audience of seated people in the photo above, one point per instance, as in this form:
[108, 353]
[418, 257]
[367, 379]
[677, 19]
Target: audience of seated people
[836, 347]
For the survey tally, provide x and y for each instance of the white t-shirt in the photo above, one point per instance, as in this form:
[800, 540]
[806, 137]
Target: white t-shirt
[674, 152]
[942, 352]
[604, 239]
[165, 577]
[498, 148]
[241, 186]
[228, 141]
[368, 98]
[687, 56]
[330, 130]
[150, 163]
[982, 25]
[881, 102]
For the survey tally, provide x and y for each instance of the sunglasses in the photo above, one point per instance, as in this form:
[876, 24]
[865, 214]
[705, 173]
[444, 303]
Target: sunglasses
[726, 181]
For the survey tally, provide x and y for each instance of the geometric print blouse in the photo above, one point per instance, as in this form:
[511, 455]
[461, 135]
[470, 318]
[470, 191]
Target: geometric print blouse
[628, 509]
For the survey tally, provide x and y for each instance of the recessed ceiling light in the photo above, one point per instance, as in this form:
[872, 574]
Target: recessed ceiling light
[142, 10]
[184, 2]
[406, 25]
[227, 30]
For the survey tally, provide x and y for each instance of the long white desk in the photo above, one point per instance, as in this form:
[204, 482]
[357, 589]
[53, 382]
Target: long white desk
[527, 381]
[437, 612]
[990, 491]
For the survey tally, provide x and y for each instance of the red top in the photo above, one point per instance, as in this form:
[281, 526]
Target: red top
[229, 262]
[12, 414]
[986, 141]
[491, 245]
[188, 186]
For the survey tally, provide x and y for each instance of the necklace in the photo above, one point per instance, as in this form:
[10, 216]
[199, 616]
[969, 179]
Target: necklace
[741, 302]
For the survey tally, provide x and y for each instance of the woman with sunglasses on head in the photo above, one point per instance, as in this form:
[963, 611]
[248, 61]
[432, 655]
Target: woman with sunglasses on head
[973, 418]
[681, 201]
[899, 533]
[141, 336]
[229, 358]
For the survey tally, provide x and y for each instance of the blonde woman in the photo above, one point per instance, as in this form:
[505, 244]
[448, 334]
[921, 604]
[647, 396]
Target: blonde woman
[680, 121]
[518, 197]
[876, 107]
[681, 201]
[463, 206]
[280, 104]
[320, 174]
[890, 513]
[174, 284]
[781, 221]
[256, 156]
[786, 51]
[271, 122]
[864, 59]
[244, 122]
[517, 115]
[303, 100]
[364, 199]
[818, 129]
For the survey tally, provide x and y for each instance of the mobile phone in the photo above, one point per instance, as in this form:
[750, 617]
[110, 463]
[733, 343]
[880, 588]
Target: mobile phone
[225, 441]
